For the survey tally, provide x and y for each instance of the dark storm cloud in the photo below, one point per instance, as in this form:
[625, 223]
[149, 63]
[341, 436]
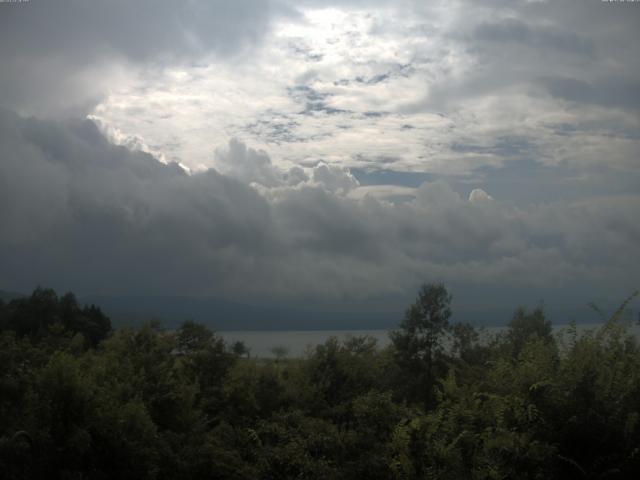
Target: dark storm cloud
[79, 212]
[583, 52]
[137, 30]
[512, 30]
[612, 93]
[65, 48]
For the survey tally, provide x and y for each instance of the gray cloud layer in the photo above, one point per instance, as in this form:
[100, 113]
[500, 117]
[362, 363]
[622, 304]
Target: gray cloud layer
[79, 212]
[63, 55]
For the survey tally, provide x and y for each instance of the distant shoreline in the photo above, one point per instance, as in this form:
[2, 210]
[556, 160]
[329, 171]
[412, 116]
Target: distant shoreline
[295, 342]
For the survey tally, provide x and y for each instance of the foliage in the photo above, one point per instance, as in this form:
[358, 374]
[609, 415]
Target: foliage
[80, 401]
[418, 341]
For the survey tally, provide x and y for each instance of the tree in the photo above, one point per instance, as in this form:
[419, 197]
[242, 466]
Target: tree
[280, 352]
[193, 336]
[524, 326]
[465, 342]
[240, 349]
[206, 360]
[419, 338]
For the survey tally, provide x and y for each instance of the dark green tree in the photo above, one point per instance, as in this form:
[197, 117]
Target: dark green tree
[419, 340]
[526, 325]
[466, 343]
[193, 337]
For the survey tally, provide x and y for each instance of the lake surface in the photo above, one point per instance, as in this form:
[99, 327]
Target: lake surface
[260, 343]
[296, 343]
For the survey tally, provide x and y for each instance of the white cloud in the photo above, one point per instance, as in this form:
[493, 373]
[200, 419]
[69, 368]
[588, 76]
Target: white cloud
[248, 165]
[333, 178]
[479, 196]
[446, 89]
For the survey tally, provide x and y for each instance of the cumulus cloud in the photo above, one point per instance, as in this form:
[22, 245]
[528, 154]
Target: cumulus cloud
[479, 196]
[334, 178]
[248, 165]
[81, 212]
[255, 167]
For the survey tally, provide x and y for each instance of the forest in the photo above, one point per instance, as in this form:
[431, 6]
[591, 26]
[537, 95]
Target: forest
[81, 400]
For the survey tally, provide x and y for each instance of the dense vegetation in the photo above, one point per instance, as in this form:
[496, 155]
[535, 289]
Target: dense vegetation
[78, 400]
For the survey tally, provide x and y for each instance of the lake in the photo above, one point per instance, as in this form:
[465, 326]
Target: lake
[296, 343]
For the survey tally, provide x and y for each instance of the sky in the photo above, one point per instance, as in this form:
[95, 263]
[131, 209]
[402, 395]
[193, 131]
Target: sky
[333, 154]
